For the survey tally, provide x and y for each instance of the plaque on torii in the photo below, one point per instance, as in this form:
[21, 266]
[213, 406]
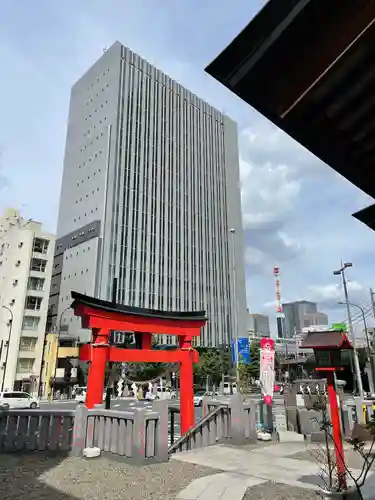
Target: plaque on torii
[104, 318]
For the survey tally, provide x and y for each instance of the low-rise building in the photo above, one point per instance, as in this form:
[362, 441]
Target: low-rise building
[60, 370]
[26, 257]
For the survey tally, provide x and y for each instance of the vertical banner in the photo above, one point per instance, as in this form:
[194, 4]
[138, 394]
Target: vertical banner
[243, 350]
[267, 369]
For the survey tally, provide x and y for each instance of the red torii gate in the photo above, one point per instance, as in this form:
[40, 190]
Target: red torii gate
[102, 317]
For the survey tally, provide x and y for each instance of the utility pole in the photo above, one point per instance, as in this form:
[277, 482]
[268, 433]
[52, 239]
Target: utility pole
[372, 301]
[370, 357]
[111, 386]
[10, 324]
[357, 367]
[235, 308]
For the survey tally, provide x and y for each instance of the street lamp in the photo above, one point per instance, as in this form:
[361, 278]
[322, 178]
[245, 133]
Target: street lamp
[357, 368]
[235, 326]
[7, 354]
[366, 334]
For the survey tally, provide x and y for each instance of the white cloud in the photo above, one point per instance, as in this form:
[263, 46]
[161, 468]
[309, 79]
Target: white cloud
[332, 292]
[269, 192]
[290, 242]
[254, 256]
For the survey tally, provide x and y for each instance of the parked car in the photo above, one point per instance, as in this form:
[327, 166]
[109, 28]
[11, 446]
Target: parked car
[151, 396]
[19, 400]
[165, 393]
[198, 397]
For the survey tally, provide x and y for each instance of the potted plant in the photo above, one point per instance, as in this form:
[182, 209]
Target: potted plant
[333, 486]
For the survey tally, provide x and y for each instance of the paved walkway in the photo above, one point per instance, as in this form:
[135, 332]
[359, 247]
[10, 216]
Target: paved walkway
[244, 468]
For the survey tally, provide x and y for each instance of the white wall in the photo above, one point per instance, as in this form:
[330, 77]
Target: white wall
[78, 274]
[16, 249]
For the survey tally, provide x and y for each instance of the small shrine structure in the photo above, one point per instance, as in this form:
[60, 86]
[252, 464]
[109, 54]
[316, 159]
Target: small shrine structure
[328, 348]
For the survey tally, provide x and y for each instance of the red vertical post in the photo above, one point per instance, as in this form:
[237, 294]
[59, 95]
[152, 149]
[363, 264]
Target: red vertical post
[336, 428]
[99, 358]
[186, 386]
[146, 340]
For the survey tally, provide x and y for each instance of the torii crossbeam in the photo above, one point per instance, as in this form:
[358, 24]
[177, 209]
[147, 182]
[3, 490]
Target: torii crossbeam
[102, 317]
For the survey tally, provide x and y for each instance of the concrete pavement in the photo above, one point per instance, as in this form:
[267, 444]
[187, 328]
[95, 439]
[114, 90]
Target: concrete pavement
[243, 468]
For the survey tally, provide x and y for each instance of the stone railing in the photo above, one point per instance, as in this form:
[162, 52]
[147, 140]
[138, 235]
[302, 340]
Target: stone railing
[303, 419]
[36, 430]
[139, 435]
[231, 420]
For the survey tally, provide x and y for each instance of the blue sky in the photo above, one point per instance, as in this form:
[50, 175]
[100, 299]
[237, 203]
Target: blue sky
[296, 210]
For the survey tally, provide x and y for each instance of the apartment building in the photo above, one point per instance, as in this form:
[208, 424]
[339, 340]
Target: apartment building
[26, 258]
[150, 197]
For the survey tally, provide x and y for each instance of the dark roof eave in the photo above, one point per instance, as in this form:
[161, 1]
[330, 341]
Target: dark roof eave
[267, 21]
[366, 216]
[92, 302]
[296, 99]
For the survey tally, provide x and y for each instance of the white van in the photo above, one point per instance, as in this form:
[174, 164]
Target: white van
[165, 393]
[19, 400]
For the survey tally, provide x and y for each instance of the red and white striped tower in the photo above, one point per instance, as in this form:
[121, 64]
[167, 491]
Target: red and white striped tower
[280, 317]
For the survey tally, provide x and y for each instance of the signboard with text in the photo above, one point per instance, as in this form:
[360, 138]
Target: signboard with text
[119, 338]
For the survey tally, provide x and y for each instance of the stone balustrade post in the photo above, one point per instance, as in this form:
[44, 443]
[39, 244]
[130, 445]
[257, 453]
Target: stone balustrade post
[79, 431]
[139, 436]
[237, 419]
[162, 431]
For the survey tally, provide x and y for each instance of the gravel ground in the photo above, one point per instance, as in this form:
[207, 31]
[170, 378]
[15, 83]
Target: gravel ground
[33, 477]
[278, 491]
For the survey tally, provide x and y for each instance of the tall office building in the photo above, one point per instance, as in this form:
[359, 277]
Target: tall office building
[150, 192]
[302, 314]
[26, 257]
[258, 325]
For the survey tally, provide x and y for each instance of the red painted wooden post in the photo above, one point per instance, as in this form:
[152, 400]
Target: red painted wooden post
[336, 428]
[99, 358]
[186, 385]
[146, 340]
